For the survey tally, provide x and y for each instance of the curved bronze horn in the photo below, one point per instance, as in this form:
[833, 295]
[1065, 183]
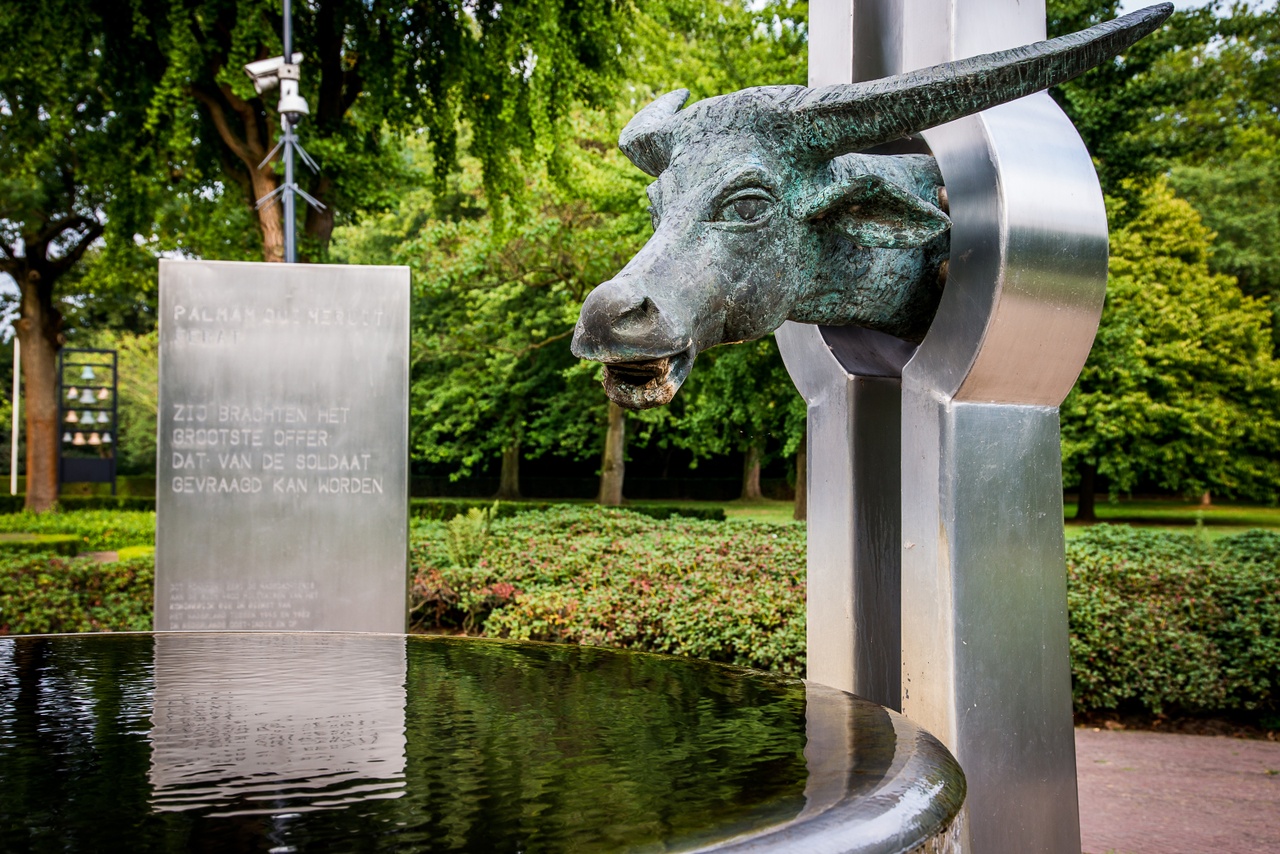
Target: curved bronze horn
[845, 118]
[645, 140]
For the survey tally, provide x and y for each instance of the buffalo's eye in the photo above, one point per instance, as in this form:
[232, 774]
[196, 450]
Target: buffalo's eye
[748, 206]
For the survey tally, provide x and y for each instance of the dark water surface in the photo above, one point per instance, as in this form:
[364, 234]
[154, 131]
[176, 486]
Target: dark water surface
[331, 742]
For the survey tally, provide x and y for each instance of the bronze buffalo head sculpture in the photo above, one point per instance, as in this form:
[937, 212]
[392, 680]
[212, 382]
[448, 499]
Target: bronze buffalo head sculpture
[766, 209]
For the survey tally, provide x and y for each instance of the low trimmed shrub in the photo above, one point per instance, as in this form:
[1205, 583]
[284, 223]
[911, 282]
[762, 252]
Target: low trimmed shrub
[42, 594]
[97, 530]
[67, 545]
[1167, 622]
[1160, 622]
[728, 591]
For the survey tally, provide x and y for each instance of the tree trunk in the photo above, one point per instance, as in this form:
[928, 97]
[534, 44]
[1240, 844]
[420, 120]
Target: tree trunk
[802, 480]
[319, 223]
[249, 136]
[270, 217]
[509, 480]
[613, 465]
[751, 474]
[1085, 510]
[1206, 500]
[38, 332]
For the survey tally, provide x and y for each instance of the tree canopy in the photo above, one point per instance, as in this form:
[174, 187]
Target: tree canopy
[373, 72]
[498, 298]
[1177, 394]
[74, 167]
[1181, 389]
[477, 144]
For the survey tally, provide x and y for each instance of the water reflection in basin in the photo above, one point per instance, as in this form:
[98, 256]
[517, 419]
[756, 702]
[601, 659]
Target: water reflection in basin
[293, 742]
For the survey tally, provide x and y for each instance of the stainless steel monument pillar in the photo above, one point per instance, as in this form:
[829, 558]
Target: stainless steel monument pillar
[977, 546]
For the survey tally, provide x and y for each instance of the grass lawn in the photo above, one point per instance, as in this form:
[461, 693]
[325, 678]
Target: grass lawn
[1174, 514]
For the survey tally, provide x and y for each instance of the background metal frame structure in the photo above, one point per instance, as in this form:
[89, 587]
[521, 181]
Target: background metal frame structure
[77, 469]
[937, 580]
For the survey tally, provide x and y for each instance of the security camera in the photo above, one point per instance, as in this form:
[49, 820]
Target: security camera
[265, 73]
[269, 73]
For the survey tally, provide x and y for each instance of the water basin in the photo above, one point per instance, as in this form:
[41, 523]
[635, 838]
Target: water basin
[356, 742]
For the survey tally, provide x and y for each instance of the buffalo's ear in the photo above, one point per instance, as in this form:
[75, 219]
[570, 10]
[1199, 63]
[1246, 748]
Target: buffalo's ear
[873, 211]
[646, 140]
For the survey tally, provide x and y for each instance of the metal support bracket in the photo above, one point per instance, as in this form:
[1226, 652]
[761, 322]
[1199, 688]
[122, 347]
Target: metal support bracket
[976, 545]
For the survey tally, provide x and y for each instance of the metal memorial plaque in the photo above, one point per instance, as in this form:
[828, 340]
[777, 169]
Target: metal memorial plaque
[282, 472]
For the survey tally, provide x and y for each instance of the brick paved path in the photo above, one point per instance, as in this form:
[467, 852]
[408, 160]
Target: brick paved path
[1158, 793]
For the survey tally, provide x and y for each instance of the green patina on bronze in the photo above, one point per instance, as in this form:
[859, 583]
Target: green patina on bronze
[765, 211]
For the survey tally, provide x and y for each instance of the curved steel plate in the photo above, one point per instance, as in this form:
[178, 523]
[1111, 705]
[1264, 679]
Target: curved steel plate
[1028, 258]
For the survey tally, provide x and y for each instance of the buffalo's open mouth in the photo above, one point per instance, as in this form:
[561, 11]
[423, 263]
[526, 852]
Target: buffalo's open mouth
[648, 383]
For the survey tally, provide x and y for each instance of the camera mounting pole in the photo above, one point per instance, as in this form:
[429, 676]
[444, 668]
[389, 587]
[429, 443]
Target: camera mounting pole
[284, 71]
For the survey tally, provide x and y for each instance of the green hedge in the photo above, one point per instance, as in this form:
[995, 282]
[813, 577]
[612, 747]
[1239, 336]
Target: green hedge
[422, 508]
[40, 594]
[143, 486]
[107, 502]
[726, 591]
[1171, 622]
[443, 509]
[17, 503]
[96, 530]
[67, 545]
[1160, 621]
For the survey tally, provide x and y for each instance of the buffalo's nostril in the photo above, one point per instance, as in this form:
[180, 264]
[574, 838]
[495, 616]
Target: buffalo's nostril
[621, 323]
[642, 316]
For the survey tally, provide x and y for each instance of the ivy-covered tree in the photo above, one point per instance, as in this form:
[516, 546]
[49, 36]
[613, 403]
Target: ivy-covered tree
[1181, 389]
[510, 71]
[74, 169]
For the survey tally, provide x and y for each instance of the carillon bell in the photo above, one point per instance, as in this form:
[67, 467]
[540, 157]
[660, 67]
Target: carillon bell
[78, 440]
[87, 373]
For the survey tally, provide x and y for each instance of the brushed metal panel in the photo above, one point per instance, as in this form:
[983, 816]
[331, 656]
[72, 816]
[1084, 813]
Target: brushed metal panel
[1028, 257]
[984, 633]
[849, 381]
[849, 378]
[985, 657]
[282, 478]
[831, 34]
